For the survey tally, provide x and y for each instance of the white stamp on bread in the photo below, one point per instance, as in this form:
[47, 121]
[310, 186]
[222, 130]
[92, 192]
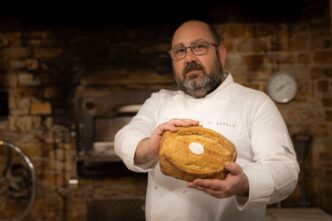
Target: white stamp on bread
[196, 148]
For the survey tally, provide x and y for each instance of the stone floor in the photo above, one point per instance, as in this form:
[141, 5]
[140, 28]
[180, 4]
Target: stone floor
[297, 214]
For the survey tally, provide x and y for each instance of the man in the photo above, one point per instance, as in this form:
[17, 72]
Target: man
[266, 169]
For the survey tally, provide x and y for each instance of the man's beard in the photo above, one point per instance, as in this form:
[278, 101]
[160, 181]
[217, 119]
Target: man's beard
[201, 84]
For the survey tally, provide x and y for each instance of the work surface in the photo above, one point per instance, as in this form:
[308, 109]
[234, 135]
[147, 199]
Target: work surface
[297, 214]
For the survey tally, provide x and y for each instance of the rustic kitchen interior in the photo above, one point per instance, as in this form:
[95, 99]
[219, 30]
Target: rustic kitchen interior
[72, 74]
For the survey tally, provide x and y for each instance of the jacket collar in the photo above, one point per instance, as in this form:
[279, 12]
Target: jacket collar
[223, 86]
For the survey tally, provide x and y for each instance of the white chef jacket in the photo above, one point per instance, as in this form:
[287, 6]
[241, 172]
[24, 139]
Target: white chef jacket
[247, 117]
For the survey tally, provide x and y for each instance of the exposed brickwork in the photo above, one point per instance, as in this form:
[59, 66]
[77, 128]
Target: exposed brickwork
[327, 102]
[40, 108]
[42, 69]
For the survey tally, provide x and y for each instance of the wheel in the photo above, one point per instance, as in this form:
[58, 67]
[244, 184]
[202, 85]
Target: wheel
[18, 183]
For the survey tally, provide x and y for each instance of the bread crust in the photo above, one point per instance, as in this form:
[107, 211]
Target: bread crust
[176, 159]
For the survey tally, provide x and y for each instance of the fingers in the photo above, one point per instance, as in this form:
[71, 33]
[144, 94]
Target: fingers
[213, 187]
[211, 184]
[183, 122]
[236, 183]
[172, 125]
[217, 194]
[163, 127]
[233, 168]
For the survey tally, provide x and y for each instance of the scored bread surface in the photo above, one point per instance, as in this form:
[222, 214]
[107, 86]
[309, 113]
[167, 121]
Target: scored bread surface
[177, 160]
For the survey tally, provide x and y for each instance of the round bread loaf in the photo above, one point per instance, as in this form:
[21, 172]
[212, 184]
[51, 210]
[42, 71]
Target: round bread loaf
[195, 152]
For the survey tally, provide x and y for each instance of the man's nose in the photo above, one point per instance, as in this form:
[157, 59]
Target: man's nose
[189, 55]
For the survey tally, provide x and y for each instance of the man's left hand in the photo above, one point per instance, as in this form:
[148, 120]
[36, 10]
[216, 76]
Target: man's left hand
[235, 183]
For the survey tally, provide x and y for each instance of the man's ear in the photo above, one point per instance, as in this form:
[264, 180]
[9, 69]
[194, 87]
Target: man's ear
[222, 54]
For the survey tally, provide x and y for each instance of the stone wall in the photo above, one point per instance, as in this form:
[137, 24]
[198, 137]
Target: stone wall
[41, 68]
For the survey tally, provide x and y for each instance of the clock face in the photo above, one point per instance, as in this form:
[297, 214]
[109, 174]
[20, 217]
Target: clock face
[282, 87]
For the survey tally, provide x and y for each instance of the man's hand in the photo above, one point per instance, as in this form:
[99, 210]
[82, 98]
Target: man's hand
[236, 183]
[148, 148]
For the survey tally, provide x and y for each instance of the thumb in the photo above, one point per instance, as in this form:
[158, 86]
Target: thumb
[233, 168]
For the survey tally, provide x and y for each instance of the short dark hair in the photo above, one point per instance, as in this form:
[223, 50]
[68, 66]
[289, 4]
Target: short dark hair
[216, 36]
[214, 32]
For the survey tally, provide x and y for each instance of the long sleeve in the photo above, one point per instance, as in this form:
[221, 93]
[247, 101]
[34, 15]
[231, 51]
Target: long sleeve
[140, 127]
[274, 170]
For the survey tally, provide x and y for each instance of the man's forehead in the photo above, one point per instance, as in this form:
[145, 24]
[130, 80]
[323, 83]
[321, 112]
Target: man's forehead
[195, 41]
[191, 32]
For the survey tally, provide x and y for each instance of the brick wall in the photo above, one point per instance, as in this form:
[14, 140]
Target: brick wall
[42, 67]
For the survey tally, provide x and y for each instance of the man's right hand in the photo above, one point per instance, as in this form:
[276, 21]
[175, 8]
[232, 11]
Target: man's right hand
[148, 148]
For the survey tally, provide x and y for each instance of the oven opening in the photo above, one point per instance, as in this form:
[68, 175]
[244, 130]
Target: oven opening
[100, 114]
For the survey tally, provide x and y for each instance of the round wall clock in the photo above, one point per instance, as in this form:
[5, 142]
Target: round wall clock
[282, 87]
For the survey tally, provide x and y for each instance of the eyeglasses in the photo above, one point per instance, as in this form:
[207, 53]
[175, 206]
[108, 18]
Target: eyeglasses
[197, 48]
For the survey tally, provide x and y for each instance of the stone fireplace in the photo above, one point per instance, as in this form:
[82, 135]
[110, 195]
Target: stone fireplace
[44, 68]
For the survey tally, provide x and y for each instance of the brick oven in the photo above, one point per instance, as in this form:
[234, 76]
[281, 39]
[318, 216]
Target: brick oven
[65, 91]
[99, 113]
